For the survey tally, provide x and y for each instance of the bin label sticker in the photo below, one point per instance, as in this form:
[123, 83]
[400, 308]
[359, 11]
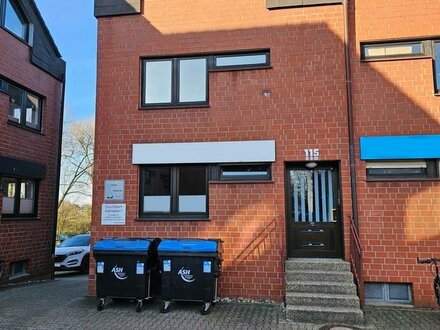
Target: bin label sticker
[167, 265]
[100, 267]
[185, 274]
[207, 266]
[119, 272]
[140, 268]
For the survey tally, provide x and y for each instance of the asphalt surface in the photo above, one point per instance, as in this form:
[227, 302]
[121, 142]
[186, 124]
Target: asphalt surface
[64, 304]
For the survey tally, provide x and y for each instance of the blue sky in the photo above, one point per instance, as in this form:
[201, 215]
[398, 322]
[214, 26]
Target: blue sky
[73, 27]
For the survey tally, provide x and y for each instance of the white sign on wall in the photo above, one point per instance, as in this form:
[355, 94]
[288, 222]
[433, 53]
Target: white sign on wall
[114, 190]
[113, 214]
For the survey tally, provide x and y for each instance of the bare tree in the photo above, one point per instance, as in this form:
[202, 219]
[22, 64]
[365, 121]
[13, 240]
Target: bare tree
[77, 163]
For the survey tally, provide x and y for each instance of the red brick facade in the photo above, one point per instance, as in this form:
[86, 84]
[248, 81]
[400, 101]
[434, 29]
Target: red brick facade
[29, 240]
[300, 102]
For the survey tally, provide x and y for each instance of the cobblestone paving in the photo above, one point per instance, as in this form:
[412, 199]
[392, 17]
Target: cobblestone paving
[63, 304]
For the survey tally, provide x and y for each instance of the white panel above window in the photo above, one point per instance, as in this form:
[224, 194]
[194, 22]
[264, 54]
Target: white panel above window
[204, 152]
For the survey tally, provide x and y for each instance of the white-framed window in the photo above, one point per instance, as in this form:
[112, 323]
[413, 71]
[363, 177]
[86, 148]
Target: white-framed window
[388, 293]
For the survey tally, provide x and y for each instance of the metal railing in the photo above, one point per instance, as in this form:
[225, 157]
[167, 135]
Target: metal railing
[356, 257]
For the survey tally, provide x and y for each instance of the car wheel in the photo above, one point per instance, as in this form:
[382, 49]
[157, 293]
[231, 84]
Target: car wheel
[85, 265]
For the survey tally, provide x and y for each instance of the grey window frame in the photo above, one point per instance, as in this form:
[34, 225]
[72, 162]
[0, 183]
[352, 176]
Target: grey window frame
[210, 67]
[422, 53]
[21, 16]
[4, 86]
[435, 65]
[175, 83]
[16, 214]
[216, 67]
[378, 173]
[14, 273]
[256, 177]
[174, 214]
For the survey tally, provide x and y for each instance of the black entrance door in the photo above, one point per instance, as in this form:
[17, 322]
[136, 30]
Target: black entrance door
[313, 211]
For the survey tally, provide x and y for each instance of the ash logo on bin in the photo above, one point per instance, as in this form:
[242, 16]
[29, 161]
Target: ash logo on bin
[185, 274]
[119, 272]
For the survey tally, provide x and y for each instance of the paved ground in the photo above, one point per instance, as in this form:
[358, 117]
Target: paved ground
[63, 304]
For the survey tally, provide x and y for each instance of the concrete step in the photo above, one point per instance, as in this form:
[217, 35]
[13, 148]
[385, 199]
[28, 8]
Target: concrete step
[324, 315]
[328, 276]
[321, 287]
[317, 264]
[320, 299]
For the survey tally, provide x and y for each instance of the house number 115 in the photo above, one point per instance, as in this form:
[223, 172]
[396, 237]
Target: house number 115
[312, 154]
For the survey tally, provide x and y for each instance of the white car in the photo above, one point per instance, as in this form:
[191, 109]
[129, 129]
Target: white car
[73, 254]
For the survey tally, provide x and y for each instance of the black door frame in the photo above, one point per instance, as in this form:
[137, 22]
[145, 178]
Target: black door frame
[320, 164]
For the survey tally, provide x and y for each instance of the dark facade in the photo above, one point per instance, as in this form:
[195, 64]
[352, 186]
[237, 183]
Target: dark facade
[31, 103]
[285, 128]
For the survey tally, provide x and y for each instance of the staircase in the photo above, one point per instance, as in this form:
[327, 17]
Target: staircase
[321, 291]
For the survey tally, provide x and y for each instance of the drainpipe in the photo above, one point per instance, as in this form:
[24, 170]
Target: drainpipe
[348, 86]
[57, 184]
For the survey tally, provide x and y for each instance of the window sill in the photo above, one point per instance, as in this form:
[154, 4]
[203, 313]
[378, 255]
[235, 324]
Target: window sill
[403, 180]
[24, 127]
[174, 106]
[240, 181]
[169, 218]
[14, 218]
[241, 68]
[397, 58]
[16, 277]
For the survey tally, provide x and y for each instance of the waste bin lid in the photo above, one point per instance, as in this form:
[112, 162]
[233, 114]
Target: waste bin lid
[187, 245]
[122, 244]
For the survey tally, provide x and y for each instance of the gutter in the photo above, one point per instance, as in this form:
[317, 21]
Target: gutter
[57, 186]
[348, 86]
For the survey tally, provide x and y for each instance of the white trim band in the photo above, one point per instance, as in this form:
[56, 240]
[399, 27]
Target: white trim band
[204, 152]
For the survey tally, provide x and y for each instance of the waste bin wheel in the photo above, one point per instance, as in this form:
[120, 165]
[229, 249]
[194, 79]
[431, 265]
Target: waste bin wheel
[100, 304]
[206, 308]
[165, 307]
[139, 306]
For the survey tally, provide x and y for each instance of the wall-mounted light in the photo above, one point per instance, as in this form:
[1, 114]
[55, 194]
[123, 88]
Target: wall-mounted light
[311, 165]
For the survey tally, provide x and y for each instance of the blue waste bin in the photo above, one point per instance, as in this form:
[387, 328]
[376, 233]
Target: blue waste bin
[189, 270]
[126, 268]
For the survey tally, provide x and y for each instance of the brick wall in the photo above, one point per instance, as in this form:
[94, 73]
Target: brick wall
[30, 239]
[305, 109]
[399, 220]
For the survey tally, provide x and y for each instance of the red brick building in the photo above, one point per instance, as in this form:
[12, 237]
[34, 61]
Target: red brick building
[31, 103]
[246, 121]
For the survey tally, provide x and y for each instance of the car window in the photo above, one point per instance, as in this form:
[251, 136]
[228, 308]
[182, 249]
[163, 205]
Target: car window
[76, 241]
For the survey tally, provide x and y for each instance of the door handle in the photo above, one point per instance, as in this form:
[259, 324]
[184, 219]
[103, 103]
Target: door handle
[332, 216]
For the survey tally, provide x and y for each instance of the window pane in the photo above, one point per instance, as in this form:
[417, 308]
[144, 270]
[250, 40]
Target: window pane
[399, 292]
[255, 59]
[27, 197]
[393, 50]
[437, 65]
[9, 187]
[192, 80]
[13, 21]
[32, 111]
[157, 189]
[247, 171]
[15, 102]
[192, 189]
[158, 82]
[374, 291]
